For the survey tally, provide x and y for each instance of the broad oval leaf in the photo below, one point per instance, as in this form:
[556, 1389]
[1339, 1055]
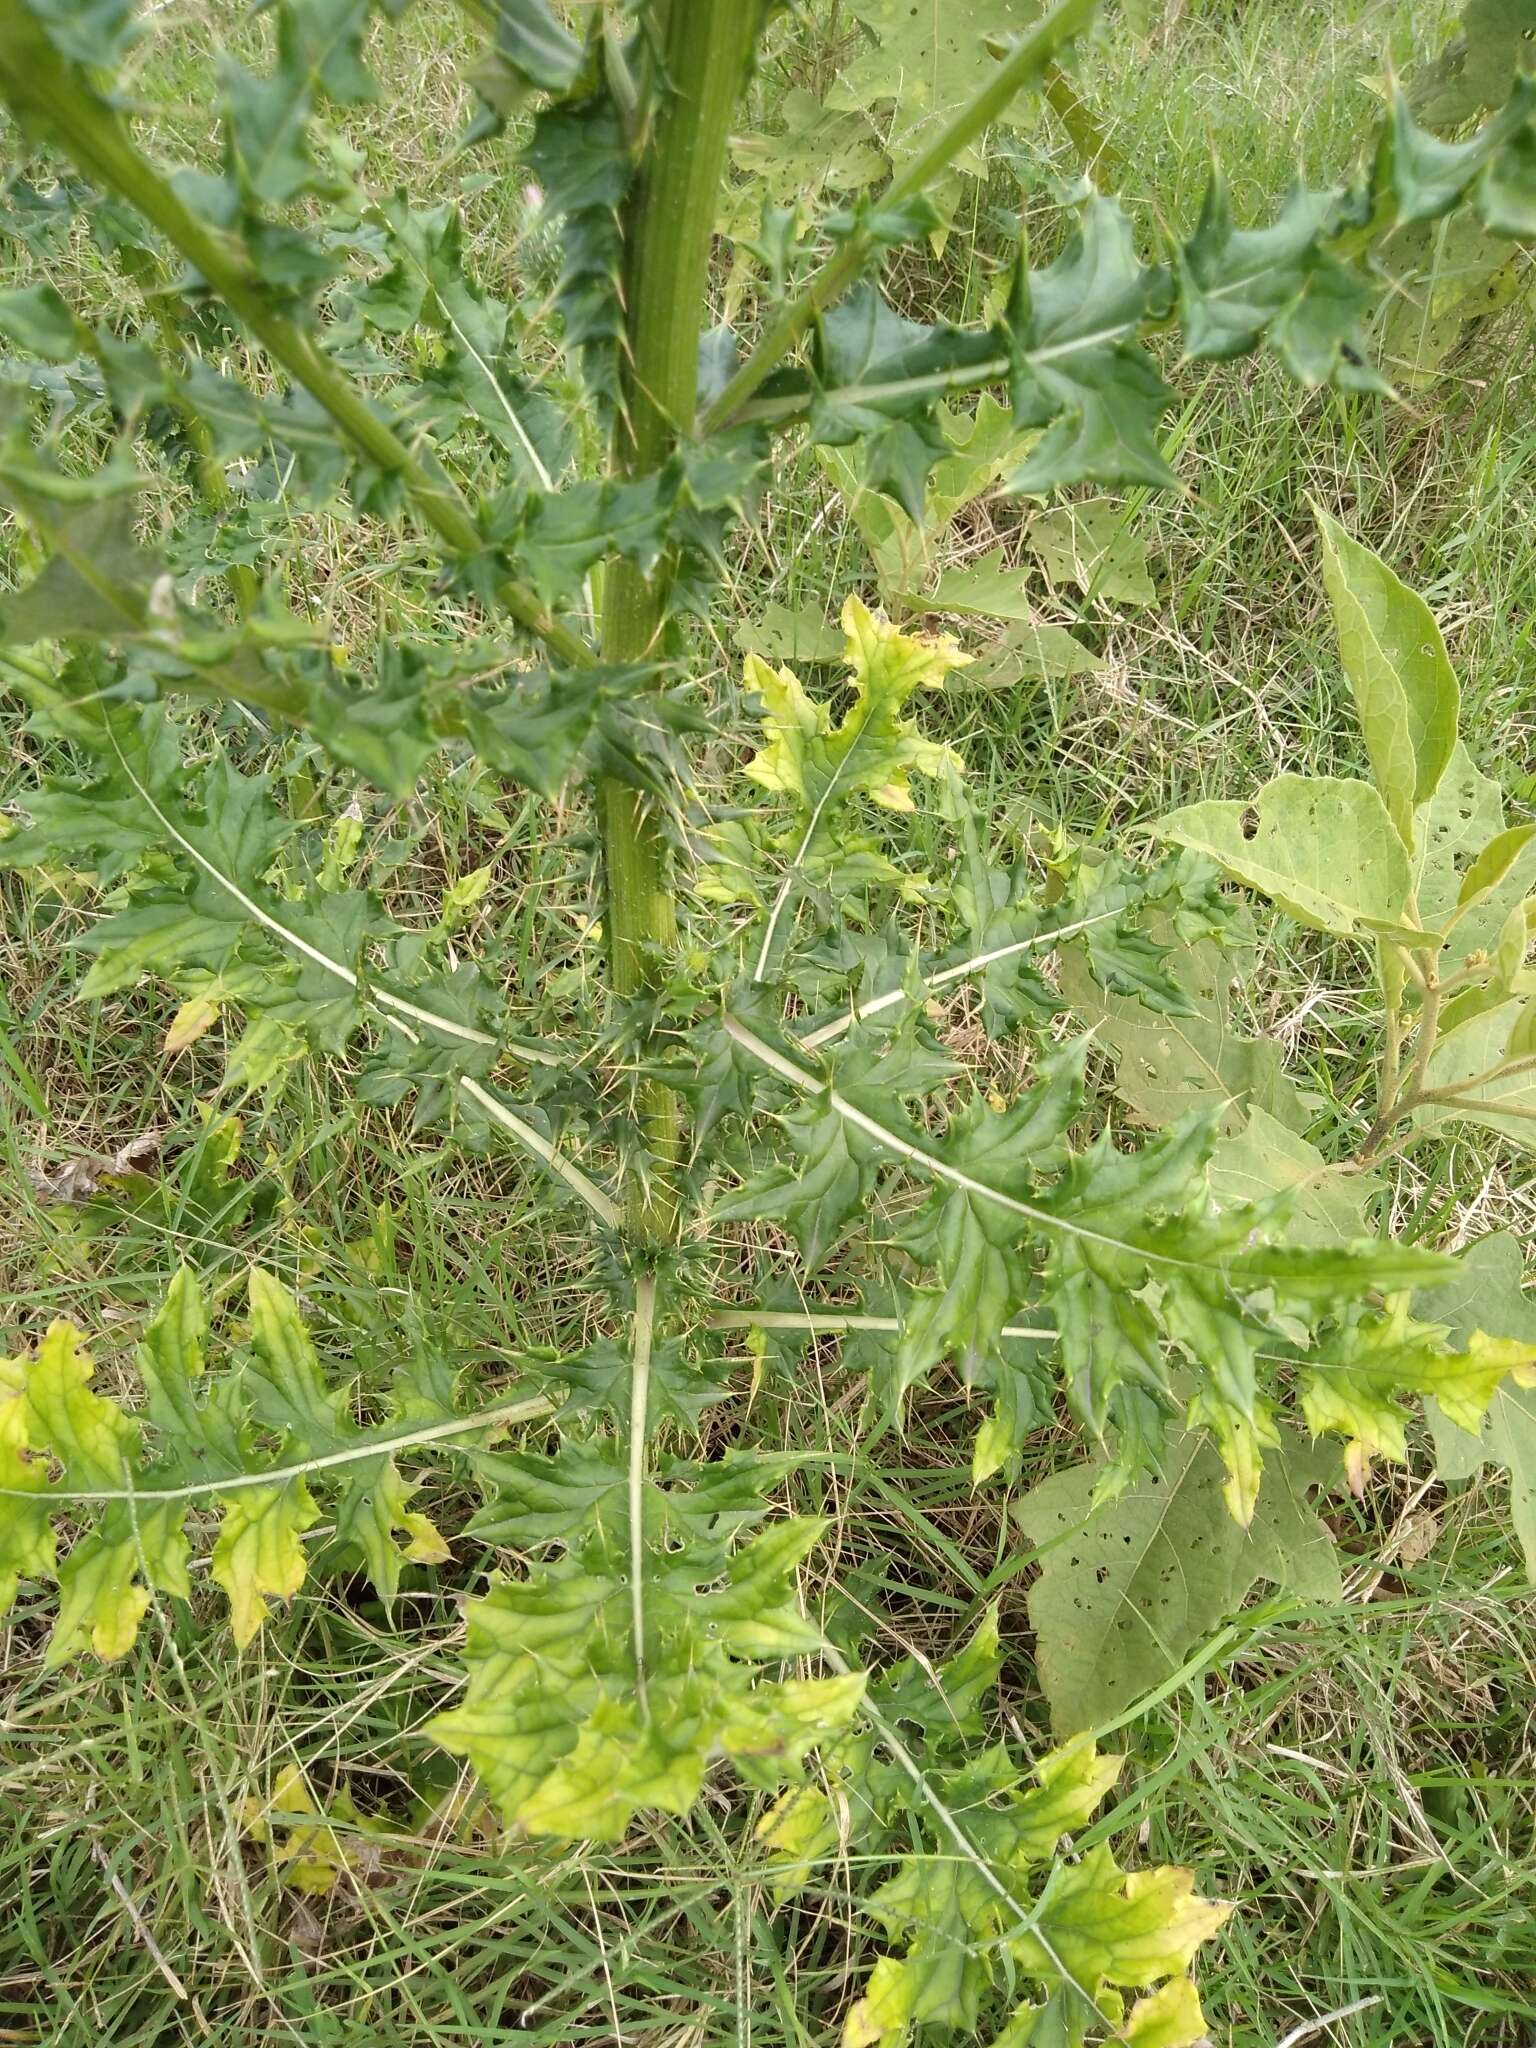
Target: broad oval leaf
[1321, 847]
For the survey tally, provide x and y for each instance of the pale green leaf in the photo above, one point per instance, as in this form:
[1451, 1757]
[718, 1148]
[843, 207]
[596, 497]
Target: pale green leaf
[1476, 1047]
[1266, 1158]
[1489, 1294]
[1406, 695]
[1323, 848]
[1494, 864]
[784, 632]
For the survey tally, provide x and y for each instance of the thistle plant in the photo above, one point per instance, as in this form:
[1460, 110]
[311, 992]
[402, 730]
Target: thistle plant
[763, 1073]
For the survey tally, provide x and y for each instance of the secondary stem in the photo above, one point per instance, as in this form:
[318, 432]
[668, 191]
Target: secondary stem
[706, 51]
[42, 88]
[1020, 68]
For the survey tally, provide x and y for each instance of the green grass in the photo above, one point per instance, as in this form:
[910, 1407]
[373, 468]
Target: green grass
[1358, 1779]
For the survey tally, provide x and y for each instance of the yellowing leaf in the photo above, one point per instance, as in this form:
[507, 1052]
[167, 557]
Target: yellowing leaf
[1072, 1783]
[92, 1438]
[310, 1851]
[875, 748]
[1167, 2018]
[26, 1534]
[189, 1023]
[885, 2011]
[258, 1551]
[1393, 1355]
[1489, 1293]
[99, 1598]
[1099, 1925]
[801, 1828]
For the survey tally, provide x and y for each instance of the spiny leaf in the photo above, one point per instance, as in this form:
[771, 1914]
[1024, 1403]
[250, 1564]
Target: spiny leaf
[258, 1552]
[1497, 39]
[575, 1724]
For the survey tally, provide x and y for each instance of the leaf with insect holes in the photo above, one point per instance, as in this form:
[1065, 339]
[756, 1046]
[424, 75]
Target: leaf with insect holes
[1322, 848]
[1405, 690]
[812, 150]
[1091, 546]
[1489, 1295]
[1461, 833]
[790, 633]
[1167, 1065]
[1445, 277]
[1472, 73]
[1128, 1588]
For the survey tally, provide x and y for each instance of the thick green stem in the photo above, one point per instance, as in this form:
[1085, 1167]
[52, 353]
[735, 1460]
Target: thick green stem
[44, 90]
[706, 51]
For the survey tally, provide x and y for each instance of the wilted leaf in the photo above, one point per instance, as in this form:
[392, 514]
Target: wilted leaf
[1127, 1590]
[1093, 547]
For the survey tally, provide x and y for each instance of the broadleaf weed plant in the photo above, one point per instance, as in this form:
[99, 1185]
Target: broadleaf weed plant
[754, 1118]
